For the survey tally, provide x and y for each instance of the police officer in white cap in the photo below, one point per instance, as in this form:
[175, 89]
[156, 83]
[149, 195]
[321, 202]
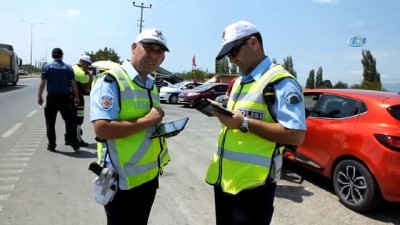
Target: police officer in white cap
[268, 113]
[83, 78]
[125, 109]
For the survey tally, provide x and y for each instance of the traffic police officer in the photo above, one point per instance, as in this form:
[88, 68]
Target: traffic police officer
[125, 109]
[83, 78]
[245, 167]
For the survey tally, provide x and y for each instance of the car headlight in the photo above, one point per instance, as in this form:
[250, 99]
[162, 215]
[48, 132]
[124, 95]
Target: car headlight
[193, 94]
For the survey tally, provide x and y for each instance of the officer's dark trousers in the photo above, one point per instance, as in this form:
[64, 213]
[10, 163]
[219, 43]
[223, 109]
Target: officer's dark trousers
[249, 207]
[59, 103]
[79, 113]
[132, 206]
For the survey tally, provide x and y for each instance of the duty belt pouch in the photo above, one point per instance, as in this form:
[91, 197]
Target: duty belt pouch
[105, 186]
[276, 166]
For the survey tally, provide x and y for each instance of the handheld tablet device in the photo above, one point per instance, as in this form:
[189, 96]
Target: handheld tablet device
[207, 106]
[170, 129]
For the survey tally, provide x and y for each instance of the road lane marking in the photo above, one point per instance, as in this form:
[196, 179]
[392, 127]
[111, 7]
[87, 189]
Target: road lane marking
[31, 113]
[19, 154]
[12, 130]
[14, 159]
[2, 165]
[7, 187]
[3, 171]
[4, 197]
[8, 179]
[22, 150]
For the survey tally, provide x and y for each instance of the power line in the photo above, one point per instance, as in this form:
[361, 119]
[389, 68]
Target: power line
[141, 6]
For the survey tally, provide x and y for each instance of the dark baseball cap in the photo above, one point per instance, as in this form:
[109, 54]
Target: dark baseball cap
[56, 53]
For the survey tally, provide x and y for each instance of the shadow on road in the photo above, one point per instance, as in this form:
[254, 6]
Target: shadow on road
[388, 212]
[83, 153]
[11, 88]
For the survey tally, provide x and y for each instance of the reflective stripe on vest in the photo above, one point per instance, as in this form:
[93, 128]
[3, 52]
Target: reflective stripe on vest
[243, 160]
[136, 158]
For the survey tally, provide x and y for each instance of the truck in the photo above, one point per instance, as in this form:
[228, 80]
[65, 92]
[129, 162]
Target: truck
[9, 63]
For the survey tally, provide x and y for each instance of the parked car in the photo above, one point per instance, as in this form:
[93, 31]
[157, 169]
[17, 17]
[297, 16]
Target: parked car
[353, 137]
[170, 93]
[208, 90]
[223, 99]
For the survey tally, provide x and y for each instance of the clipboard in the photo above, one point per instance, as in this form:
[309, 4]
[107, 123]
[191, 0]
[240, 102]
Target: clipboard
[170, 129]
[207, 106]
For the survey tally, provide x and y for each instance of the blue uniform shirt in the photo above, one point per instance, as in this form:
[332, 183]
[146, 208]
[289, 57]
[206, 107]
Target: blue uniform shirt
[58, 76]
[104, 103]
[290, 114]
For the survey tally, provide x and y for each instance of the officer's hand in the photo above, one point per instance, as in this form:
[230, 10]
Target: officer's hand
[155, 115]
[231, 122]
[76, 101]
[40, 100]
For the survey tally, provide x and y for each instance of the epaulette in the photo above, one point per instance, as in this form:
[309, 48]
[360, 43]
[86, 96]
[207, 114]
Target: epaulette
[109, 78]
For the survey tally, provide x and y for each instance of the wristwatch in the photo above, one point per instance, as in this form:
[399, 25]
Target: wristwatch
[245, 125]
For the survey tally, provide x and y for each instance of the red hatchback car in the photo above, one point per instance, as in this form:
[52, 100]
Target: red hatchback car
[353, 137]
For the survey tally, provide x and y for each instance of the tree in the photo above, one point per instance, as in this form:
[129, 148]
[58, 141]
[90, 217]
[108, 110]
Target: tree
[222, 66]
[198, 75]
[341, 84]
[319, 81]
[233, 69]
[310, 83]
[327, 84]
[288, 65]
[105, 54]
[372, 79]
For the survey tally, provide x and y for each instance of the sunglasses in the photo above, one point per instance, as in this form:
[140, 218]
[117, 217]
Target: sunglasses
[235, 50]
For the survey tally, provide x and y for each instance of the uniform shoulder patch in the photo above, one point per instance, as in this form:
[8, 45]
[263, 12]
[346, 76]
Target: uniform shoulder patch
[106, 102]
[293, 98]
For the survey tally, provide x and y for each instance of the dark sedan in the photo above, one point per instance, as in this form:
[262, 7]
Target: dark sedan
[208, 90]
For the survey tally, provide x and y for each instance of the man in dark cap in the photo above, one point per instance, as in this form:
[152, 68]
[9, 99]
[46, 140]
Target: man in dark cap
[59, 79]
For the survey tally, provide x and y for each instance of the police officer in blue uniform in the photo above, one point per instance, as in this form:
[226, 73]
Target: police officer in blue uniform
[59, 79]
[269, 109]
[130, 205]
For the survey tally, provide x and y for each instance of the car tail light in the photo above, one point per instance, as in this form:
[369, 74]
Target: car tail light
[389, 141]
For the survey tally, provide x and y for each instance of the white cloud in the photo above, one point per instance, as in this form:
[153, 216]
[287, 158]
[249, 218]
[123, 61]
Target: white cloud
[69, 13]
[325, 1]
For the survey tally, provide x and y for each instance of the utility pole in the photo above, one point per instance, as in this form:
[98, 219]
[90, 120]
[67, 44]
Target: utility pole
[141, 14]
[46, 41]
[32, 24]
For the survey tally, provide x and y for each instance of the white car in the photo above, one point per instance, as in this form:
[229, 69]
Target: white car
[170, 94]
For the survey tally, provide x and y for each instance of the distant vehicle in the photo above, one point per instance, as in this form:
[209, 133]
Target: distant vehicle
[353, 137]
[208, 90]
[170, 93]
[23, 72]
[9, 63]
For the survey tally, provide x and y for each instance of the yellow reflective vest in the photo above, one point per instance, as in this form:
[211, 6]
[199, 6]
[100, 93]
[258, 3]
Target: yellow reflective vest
[137, 159]
[243, 160]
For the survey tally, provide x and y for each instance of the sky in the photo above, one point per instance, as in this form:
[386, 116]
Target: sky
[314, 32]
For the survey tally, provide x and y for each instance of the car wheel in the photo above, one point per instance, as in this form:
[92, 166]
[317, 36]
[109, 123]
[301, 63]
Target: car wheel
[355, 186]
[173, 99]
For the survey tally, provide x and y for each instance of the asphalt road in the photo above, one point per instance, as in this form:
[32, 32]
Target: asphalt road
[39, 187]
